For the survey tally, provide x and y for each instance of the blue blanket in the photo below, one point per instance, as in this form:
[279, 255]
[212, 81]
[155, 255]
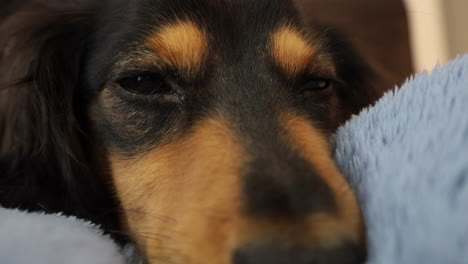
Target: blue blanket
[406, 157]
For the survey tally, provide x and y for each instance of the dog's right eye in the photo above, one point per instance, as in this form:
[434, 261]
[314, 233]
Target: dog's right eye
[146, 84]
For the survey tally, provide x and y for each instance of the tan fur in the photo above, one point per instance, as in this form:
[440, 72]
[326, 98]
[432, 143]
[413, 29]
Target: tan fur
[185, 193]
[183, 200]
[313, 146]
[183, 45]
[291, 51]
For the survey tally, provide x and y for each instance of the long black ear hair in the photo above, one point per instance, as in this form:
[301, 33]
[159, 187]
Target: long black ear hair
[45, 161]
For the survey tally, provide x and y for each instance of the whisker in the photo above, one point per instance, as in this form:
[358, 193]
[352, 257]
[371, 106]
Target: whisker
[171, 256]
[131, 235]
[44, 208]
[164, 219]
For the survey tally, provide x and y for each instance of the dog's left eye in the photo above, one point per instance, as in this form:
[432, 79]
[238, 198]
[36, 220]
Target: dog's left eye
[146, 84]
[316, 85]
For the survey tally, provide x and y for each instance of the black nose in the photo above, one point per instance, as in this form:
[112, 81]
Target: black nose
[274, 254]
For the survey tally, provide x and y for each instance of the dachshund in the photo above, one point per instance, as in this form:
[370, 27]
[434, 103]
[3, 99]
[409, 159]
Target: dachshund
[198, 129]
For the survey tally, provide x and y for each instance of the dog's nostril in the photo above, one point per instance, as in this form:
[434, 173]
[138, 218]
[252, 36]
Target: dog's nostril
[274, 254]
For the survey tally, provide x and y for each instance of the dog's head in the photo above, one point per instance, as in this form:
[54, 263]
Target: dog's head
[211, 118]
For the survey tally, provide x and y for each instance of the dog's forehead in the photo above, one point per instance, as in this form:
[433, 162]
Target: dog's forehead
[200, 8]
[184, 34]
[223, 19]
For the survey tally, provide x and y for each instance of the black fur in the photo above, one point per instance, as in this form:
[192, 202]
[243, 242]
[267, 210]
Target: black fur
[269, 252]
[46, 160]
[56, 57]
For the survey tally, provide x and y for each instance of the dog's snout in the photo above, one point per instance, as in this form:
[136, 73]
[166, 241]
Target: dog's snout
[286, 188]
[347, 253]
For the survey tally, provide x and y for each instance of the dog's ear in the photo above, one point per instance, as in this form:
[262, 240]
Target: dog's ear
[43, 141]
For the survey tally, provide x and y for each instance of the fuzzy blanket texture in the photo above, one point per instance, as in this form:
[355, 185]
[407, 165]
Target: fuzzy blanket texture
[406, 157]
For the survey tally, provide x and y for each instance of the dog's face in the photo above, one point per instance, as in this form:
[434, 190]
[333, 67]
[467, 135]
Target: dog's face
[215, 116]
[213, 120]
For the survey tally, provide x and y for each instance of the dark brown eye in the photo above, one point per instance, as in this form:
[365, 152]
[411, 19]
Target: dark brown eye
[316, 85]
[147, 84]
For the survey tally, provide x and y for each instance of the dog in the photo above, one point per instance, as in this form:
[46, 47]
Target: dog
[199, 129]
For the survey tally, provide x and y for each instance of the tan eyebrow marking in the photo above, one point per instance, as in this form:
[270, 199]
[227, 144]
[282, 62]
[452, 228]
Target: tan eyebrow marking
[182, 45]
[291, 51]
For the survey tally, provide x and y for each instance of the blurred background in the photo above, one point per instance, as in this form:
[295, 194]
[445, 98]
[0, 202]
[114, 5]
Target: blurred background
[438, 30]
[398, 37]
